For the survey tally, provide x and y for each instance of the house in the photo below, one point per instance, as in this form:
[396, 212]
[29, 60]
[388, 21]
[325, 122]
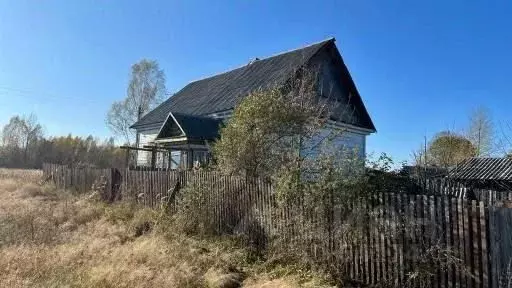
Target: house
[188, 122]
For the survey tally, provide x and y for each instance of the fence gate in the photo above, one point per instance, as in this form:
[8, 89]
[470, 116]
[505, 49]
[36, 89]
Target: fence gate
[500, 228]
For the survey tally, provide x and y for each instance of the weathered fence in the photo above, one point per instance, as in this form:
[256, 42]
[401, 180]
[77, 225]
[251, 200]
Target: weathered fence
[400, 234]
[80, 179]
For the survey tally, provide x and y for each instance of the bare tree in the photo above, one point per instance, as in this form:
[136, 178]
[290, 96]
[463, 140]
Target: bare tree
[481, 132]
[145, 91]
[21, 133]
[504, 140]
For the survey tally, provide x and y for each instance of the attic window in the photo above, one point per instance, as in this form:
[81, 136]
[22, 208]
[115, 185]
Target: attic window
[170, 129]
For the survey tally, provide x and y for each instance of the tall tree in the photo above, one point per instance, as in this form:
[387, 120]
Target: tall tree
[21, 133]
[481, 132]
[145, 91]
[505, 139]
[448, 149]
[11, 133]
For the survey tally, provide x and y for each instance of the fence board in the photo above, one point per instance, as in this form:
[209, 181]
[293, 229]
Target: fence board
[448, 240]
[485, 252]
[460, 224]
[476, 249]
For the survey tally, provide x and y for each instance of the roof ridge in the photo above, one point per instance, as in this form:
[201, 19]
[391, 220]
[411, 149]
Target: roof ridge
[296, 49]
[265, 58]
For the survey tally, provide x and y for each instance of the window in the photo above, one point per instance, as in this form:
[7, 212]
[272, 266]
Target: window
[200, 156]
[175, 159]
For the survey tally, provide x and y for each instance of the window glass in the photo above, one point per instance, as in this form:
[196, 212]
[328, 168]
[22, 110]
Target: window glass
[175, 159]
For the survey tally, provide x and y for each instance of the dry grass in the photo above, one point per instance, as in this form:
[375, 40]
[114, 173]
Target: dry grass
[51, 238]
[21, 175]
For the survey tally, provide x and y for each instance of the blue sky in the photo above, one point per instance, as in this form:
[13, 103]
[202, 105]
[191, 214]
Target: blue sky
[421, 66]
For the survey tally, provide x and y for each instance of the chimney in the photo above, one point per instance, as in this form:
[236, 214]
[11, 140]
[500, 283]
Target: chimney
[253, 60]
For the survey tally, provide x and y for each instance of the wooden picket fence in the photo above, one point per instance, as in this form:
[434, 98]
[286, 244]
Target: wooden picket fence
[80, 179]
[399, 234]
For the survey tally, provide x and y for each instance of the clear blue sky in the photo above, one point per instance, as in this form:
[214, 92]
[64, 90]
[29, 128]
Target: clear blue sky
[421, 66]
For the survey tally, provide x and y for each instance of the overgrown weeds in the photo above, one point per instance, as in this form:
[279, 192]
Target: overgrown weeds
[51, 238]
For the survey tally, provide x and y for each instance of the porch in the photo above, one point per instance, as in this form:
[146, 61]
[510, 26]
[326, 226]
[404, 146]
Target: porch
[183, 141]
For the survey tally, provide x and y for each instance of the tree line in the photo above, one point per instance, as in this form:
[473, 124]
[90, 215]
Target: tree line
[24, 145]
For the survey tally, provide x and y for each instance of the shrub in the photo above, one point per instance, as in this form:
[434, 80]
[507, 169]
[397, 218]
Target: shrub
[192, 215]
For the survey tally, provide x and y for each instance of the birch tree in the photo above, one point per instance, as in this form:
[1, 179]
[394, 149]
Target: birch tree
[145, 91]
[481, 132]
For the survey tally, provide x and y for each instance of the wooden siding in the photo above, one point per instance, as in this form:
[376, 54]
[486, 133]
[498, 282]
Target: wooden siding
[344, 141]
[146, 136]
[352, 141]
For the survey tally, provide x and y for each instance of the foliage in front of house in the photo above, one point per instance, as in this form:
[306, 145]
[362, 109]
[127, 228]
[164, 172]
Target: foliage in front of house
[266, 138]
[265, 134]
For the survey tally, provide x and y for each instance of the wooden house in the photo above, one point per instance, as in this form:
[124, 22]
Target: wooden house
[188, 122]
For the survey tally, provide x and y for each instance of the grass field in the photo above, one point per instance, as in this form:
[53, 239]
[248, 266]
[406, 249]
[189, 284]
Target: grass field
[51, 238]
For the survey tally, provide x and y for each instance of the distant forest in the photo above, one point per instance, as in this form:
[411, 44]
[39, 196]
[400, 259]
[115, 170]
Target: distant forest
[24, 145]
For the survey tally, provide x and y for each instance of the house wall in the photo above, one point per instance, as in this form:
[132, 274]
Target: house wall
[347, 138]
[145, 137]
[339, 92]
[351, 142]
[336, 139]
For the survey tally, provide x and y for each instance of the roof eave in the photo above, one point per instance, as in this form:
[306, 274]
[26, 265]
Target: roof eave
[136, 125]
[371, 125]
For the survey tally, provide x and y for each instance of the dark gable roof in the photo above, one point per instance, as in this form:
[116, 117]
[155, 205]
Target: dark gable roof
[223, 91]
[481, 169]
[197, 127]
[194, 127]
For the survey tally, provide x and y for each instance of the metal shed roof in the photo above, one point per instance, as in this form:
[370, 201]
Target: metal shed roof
[498, 169]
